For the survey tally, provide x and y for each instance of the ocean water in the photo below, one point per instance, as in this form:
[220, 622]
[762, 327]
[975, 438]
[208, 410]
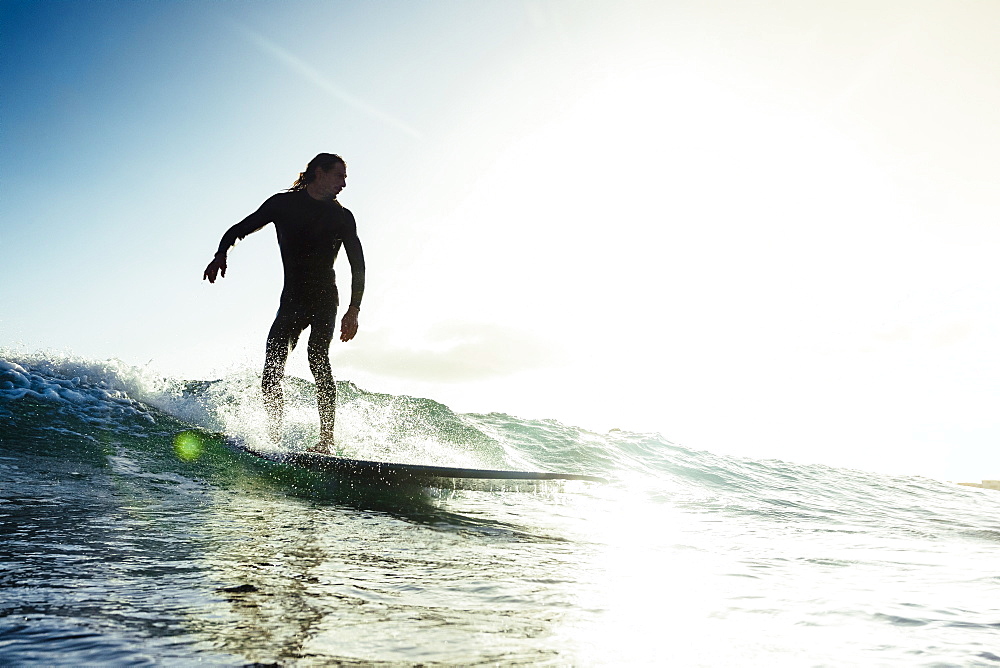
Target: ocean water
[130, 534]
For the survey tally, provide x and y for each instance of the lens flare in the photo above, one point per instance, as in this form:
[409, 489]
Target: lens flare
[188, 445]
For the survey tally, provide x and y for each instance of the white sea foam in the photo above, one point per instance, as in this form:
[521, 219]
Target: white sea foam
[92, 401]
[374, 426]
[108, 389]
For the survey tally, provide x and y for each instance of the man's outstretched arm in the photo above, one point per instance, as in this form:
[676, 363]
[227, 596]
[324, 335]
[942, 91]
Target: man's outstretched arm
[248, 225]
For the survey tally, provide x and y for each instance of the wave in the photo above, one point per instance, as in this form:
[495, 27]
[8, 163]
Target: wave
[76, 407]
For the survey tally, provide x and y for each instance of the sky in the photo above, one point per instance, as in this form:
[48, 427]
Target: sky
[767, 229]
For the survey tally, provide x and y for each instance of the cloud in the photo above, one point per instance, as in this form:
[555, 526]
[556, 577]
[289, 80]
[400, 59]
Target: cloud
[451, 351]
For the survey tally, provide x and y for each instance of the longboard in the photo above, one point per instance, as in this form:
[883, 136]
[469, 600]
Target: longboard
[390, 472]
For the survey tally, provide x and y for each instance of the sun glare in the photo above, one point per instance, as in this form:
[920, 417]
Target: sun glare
[702, 226]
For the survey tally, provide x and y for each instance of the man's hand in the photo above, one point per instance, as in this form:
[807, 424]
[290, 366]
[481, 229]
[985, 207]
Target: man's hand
[349, 324]
[214, 267]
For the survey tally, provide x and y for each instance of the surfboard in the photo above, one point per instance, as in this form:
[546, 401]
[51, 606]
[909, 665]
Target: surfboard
[389, 472]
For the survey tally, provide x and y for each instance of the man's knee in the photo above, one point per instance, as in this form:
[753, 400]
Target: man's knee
[319, 361]
[318, 347]
[274, 370]
[271, 379]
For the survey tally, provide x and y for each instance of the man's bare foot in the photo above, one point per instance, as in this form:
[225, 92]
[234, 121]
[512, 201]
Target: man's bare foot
[321, 448]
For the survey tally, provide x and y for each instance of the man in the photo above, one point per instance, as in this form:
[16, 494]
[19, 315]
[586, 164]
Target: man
[311, 226]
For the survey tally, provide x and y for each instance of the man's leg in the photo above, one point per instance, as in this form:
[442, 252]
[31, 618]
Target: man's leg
[281, 340]
[320, 336]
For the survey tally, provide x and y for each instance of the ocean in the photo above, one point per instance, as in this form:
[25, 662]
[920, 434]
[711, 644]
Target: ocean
[131, 534]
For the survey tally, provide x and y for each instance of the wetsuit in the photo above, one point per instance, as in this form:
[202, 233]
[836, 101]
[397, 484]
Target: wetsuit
[310, 234]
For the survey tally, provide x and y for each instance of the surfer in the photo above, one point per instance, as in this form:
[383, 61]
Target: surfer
[311, 226]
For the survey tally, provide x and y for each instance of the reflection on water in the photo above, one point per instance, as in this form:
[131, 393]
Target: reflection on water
[409, 581]
[118, 558]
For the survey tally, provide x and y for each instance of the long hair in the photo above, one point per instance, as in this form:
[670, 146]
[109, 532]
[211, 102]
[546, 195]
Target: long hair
[322, 161]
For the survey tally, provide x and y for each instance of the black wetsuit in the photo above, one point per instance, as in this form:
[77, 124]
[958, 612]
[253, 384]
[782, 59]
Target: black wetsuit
[310, 234]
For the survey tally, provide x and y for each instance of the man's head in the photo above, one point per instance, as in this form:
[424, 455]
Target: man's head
[327, 170]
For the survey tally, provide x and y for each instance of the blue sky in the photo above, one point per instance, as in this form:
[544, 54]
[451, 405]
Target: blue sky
[761, 228]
